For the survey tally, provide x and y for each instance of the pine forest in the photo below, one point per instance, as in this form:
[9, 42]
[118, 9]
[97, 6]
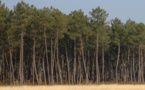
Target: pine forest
[48, 47]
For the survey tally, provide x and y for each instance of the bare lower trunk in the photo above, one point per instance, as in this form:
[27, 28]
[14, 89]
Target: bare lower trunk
[3, 66]
[74, 65]
[93, 68]
[46, 54]
[44, 73]
[21, 60]
[58, 62]
[139, 65]
[52, 63]
[129, 67]
[103, 63]
[68, 69]
[97, 63]
[142, 67]
[36, 73]
[79, 70]
[133, 67]
[59, 69]
[118, 57]
[11, 67]
[84, 61]
[33, 64]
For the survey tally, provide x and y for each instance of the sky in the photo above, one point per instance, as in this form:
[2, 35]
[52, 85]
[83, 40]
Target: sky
[123, 9]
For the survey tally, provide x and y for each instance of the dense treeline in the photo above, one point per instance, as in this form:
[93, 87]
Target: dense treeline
[46, 46]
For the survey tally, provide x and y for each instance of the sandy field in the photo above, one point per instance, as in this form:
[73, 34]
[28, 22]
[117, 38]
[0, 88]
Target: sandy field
[76, 87]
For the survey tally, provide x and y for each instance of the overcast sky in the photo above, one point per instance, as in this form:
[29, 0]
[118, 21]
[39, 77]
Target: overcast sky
[123, 9]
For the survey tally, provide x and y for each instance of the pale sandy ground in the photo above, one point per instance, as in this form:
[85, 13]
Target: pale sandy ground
[76, 87]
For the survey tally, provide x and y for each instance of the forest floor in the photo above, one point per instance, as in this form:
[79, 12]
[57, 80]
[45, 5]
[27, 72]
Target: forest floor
[76, 87]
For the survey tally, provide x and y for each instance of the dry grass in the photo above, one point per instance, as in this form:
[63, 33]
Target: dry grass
[76, 87]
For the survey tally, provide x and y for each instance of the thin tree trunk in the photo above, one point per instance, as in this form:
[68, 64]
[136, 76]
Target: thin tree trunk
[118, 57]
[36, 74]
[22, 47]
[74, 65]
[142, 67]
[46, 54]
[93, 68]
[97, 63]
[44, 73]
[88, 66]
[20, 67]
[79, 70]
[139, 65]
[11, 67]
[133, 67]
[52, 63]
[84, 61]
[34, 63]
[103, 64]
[33, 69]
[59, 68]
[68, 69]
[128, 68]
[21, 71]
[3, 68]
[131, 73]
[40, 69]
[63, 68]
[58, 64]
